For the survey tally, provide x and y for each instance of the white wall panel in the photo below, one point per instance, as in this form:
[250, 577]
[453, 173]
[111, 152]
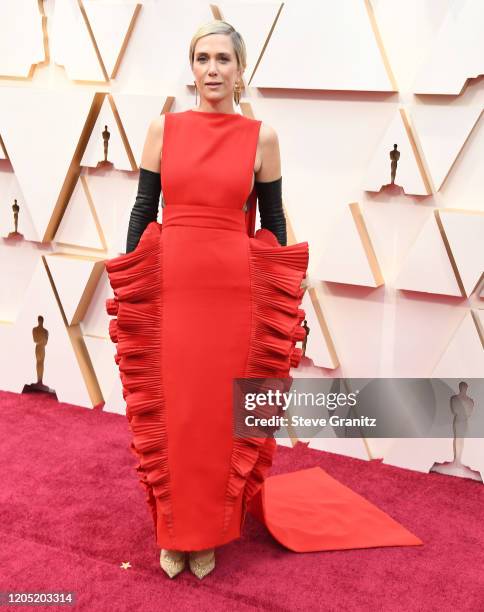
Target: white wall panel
[78, 226]
[319, 345]
[336, 49]
[254, 20]
[21, 37]
[117, 155]
[10, 191]
[327, 83]
[348, 256]
[41, 131]
[464, 356]
[61, 368]
[71, 44]
[409, 173]
[72, 276]
[427, 266]
[456, 53]
[464, 231]
[443, 132]
[111, 23]
[136, 112]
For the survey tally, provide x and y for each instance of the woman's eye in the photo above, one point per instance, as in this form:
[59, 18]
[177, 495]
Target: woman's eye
[222, 59]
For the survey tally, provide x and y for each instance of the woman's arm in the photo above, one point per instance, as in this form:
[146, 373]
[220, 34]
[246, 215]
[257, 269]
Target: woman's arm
[268, 185]
[270, 164]
[146, 205]
[151, 156]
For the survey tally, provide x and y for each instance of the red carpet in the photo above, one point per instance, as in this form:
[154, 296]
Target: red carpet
[72, 511]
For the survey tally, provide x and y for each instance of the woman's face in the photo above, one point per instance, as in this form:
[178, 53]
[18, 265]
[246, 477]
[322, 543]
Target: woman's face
[214, 61]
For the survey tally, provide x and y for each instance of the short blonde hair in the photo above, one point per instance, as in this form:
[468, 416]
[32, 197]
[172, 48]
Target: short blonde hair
[221, 27]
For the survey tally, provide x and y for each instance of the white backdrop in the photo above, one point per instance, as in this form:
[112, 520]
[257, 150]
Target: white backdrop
[396, 277]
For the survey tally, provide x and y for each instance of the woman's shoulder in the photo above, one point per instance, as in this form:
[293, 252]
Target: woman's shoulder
[156, 126]
[267, 135]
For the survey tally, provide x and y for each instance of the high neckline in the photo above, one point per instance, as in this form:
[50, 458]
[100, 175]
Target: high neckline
[209, 113]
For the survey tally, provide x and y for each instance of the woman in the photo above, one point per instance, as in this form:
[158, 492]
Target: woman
[200, 301]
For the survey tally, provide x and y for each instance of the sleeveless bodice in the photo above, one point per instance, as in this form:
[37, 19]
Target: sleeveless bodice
[208, 158]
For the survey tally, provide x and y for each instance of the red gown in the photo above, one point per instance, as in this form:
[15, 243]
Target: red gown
[199, 302]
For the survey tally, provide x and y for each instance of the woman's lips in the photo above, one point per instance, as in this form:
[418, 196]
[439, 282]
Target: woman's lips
[213, 85]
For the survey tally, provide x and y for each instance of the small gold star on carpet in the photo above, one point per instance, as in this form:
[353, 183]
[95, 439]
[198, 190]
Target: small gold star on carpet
[126, 565]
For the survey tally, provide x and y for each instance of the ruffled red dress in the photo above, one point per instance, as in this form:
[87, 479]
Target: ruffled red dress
[199, 302]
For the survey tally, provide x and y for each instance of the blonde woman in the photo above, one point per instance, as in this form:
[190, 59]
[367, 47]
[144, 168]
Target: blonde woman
[200, 300]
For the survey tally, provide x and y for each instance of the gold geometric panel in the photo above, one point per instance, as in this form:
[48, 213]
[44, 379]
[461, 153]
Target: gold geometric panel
[443, 131]
[21, 38]
[75, 278]
[464, 355]
[72, 45]
[110, 26]
[427, 267]
[60, 120]
[107, 145]
[255, 21]
[349, 256]
[111, 196]
[463, 234]
[101, 353]
[95, 321]
[66, 368]
[407, 29]
[396, 160]
[133, 114]
[79, 226]
[3, 150]
[156, 37]
[319, 345]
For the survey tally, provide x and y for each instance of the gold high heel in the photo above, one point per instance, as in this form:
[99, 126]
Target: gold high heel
[172, 561]
[201, 562]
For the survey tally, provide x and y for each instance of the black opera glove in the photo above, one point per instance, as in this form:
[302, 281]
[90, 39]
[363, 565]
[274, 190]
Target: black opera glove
[269, 195]
[145, 208]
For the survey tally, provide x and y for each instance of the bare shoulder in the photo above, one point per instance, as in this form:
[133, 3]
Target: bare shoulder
[269, 166]
[267, 135]
[157, 125]
[151, 156]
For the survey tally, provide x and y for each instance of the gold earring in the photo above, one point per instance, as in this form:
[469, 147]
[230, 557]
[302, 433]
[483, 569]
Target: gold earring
[196, 93]
[237, 93]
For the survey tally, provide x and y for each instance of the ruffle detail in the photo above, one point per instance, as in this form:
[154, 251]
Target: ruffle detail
[276, 274]
[136, 280]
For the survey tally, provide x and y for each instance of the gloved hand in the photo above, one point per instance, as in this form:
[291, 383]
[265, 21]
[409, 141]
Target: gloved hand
[145, 208]
[269, 195]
